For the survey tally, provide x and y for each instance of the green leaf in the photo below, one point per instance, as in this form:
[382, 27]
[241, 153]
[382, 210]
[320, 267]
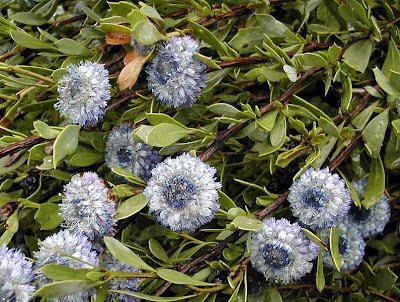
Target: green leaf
[246, 39]
[329, 127]
[45, 130]
[64, 288]
[226, 110]
[48, 216]
[180, 278]
[159, 118]
[61, 272]
[129, 176]
[163, 135]
[114, 28]
[320, 278]
[65, 143]
[247, 223]
[72, 48]
[131, 206]
[267, 122]
[272, 295]
[26, 40]
[353, 192]
[374, 133]
[13, 223]
[347, 92]
[153, 298]
[396, 127]
[207, 60]
[28, 18]
[384, 83]
[143, 30]
[392, 60]
[314, 238]
[384, 280]
[125, 255]
[278, 133]
[226, 202]
[376, 183]
[121, 8]
[158, 251]
[85, 159]
[312, 59]
[334, 247]
[214, 78]
[357, 55]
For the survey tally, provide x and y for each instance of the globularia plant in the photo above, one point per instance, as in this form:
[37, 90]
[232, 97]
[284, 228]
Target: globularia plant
[199, 150]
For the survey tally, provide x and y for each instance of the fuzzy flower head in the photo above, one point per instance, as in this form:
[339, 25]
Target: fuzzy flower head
[16, 276]
[351, 247]
[183, 193]
[140, 48]
[130, 284]
[175, 76]
[84, 93]
[87, 207]
[319, 199]
[75, 244]
[368, 221]
[124, 152]
[281, 251]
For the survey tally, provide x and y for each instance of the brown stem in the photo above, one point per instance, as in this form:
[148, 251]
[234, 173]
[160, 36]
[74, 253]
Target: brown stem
[126, 95]
[382, 295]
[338, 160]
[68, 21]
[29, 142]
[11, 53]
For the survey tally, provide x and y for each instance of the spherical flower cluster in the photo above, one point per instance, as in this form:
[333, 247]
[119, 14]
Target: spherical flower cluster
[182, 193]
[130, 284]
[319, 199]
[368, 221]
[16, 276]
[351, 247]
[124, 152]
[84, 93]
[87, 207]
[175, 76]
[74, 244]
[140, 48]
[281, 251]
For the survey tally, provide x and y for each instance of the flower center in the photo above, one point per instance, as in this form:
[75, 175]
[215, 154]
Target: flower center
[167, 69]
[178, 191]
[276, 256]
[315, 197]
[360, 215]
[123, 154]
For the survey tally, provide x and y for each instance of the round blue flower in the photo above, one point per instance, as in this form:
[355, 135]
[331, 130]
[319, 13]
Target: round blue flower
[182, 193]
[140, 48]
[124, 152]
[319, 199]
[130, 284]
[88, 208]
[75, 244]
[84, 93]
[16, 276]
[281, 251]
[351, 247]
[368, 221]
[175, 76]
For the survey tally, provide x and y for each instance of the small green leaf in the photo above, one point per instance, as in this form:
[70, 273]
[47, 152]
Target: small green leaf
[61, 272]
[278, 133]
[64, 288]
[320, 278]
[374, 133]
[247, 223]
[26, 40]
[158, 251]
[48, 216]
[314, 238]
[131, 206]
[347, 91]
[85, 159]
[28, 18]
[143, 30]
[180, 278]
[65, 143]
[159, 118]
[376, 183]
[72, 48]
[396, 127]
[357, 55]
[334, 238]
[153, 298]
[384, 280]
[45, 130]
[384, 83]
[125, 255]
[329, 127]
[129, 176]
[163, 135]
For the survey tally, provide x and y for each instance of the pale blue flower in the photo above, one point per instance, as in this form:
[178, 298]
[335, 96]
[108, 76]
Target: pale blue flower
[84, 93]
[351, 247]
[16, 276]
[140, 48]
[319, 199]
[368, 221]
[281, 251]
[175, 76]
[88, 208]
[74, 244]
[182, 193]
[124, 152]
[130, 284]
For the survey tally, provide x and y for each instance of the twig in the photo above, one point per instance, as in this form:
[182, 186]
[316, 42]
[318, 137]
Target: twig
[68, 21]
[29, 142]
[382, 295]
[126, 95]
[11, 53]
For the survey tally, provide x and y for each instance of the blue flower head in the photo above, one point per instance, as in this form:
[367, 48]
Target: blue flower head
[75, 244]
[130, 284]
[87, 208]
[16, 276]
[84, 93]
[175, 76]
[124, 152]
[281, 251]
[319, 199]
[351, 247]
[368, 221]
[182, 193]
[140, 48]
